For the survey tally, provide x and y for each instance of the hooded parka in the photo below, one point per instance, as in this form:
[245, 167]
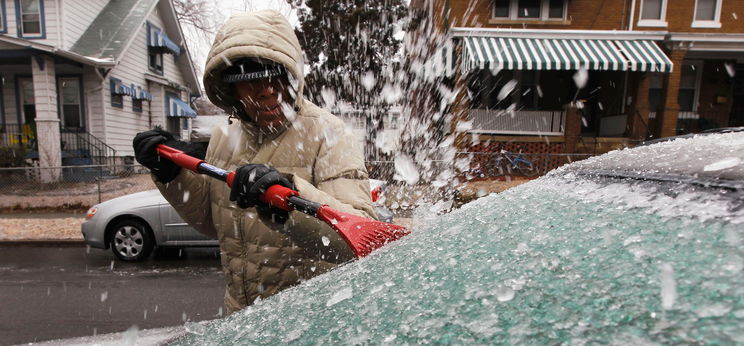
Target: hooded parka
[314, 149]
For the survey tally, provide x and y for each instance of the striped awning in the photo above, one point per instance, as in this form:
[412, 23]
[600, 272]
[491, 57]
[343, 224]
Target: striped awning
[179, 108]
[563, 54]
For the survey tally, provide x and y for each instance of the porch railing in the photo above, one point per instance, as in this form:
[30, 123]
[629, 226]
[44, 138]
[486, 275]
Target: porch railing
[81, 144]
[74, 143]
[487, 121]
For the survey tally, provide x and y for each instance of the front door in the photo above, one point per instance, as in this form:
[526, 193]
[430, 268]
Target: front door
[70, 103]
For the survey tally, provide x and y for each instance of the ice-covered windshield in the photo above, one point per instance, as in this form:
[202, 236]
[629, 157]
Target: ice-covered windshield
[568, 258]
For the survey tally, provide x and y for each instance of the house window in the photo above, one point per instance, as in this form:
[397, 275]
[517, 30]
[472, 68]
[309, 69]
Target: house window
[137, 105]
[653, 13]
[707, 14]
[155, 61]
[501, 8]
[117, 94]
[173, 123]
[528, 95]
[117, 100]
[391, 121]
[508, 89]
[688, 86]
[26, 95]
[529, 9]
[174, 126]
[556, 9]
[70, 102]
[655, 91]
[30, 16]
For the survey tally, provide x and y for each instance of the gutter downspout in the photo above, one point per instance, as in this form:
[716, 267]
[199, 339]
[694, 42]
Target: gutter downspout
[89, 94]
[632, 15]
[60, 36]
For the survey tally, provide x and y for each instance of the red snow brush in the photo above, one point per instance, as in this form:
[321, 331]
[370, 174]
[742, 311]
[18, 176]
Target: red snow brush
[362, 234]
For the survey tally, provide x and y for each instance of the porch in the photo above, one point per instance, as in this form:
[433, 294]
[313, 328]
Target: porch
[77, 147]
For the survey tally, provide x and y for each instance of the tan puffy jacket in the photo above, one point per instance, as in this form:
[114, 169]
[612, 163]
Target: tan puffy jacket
[316, 151]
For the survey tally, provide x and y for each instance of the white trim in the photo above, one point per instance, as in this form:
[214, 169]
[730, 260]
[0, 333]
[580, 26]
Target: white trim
[542, 17]
[706, 37]
[706, 24]
[654, 23]
[715, 23]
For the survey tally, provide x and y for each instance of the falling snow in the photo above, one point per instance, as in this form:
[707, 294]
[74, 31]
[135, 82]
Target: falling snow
[406, 170]
[581, 77]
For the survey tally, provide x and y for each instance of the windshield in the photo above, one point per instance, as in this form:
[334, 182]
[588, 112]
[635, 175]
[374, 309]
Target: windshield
[558, 259]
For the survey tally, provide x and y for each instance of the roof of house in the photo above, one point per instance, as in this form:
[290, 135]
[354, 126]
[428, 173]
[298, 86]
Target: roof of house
[109, 34]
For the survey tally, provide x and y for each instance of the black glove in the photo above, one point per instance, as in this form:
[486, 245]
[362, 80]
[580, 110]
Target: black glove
[251, 181]
[145, 144]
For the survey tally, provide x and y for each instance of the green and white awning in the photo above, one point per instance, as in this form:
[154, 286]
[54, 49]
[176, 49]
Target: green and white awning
[563, 54]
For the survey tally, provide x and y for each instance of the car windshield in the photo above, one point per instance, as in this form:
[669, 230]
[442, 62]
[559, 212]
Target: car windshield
[576, 256]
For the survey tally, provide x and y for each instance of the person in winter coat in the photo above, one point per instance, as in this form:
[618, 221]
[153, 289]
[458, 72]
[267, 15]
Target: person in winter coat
[254, 72]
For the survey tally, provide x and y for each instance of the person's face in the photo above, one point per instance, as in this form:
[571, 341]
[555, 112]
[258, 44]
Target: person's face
[262, 100]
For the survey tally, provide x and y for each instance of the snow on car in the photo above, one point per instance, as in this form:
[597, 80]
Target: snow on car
[637, 246]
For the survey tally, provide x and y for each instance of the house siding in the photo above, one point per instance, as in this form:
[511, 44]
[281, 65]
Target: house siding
[77, 16]
[582, 14]
[679, 16]
[122, 123]
[591, 15]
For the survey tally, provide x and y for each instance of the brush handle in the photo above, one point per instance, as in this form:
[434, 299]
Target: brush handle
[277, 195]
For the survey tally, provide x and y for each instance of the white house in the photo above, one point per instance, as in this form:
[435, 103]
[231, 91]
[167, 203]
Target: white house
[79, 78]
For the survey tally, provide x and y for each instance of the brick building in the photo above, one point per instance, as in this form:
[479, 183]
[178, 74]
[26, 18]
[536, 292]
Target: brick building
[552, 76]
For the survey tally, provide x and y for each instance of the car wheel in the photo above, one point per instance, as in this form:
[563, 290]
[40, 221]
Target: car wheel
[131, 240]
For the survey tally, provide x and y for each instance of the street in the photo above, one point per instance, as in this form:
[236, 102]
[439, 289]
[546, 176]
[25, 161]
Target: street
[53, 292]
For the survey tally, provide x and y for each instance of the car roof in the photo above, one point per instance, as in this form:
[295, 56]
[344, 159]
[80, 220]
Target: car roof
[690, 135]
[717, 156]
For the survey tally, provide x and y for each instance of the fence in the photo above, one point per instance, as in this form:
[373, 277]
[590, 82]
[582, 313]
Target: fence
[80, 187]
[517, 122]
[483, 165]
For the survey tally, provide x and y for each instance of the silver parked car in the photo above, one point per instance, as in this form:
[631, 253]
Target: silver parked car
[134, 224]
